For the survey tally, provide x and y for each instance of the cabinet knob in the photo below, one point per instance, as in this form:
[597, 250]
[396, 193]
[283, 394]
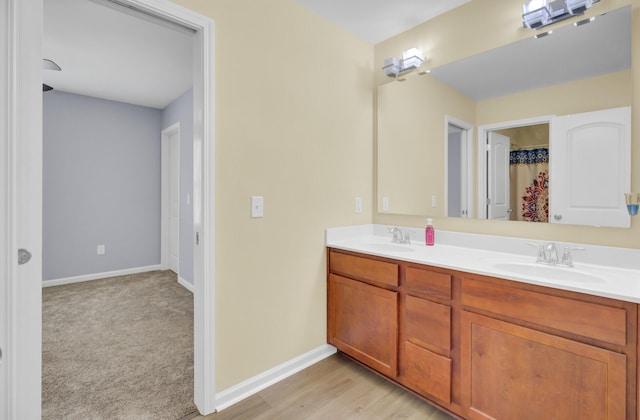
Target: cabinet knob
[557, 216]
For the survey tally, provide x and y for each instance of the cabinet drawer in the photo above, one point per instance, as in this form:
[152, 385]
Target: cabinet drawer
[426, 372]
[428, 283]
[592, 320]
[364, 268]
[428, 324]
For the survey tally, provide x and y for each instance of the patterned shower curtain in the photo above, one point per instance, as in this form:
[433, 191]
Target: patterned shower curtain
[529, 172]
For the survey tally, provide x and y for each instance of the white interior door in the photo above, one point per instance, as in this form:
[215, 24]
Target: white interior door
[590, 168]
[498, 200]
[20, 208]
[174, 200]
[458, 168]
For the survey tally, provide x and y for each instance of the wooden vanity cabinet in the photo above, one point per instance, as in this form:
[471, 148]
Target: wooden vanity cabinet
[363, 310]
[483, 347]
[533, 352]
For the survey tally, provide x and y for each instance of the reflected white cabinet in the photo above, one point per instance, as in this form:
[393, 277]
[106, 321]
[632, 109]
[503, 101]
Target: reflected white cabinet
[590, 167]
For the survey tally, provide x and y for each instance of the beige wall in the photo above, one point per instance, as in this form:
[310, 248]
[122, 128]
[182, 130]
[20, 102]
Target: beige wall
[482, 25]
[408, 113]
[293, 123]
[602, 92]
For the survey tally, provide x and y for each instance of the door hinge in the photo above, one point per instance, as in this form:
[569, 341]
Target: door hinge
[488, 200]
[197, 238]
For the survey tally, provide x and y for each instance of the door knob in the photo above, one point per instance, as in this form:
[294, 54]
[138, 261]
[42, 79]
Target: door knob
[23, 256]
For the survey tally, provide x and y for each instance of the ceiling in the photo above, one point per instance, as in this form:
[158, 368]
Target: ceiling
[378, 20]
[110, 52]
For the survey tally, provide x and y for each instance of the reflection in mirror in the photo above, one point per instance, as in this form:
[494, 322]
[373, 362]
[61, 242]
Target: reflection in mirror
[525, 180]
[459, 172]
[590, 70]
[571, 169]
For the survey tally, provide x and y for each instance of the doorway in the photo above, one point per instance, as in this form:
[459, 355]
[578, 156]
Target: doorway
[495, 189]
[458, 168]
[170, 211]
[20, 370]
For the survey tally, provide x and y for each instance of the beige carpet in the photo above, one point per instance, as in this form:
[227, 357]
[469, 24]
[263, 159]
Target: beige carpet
[118, 348]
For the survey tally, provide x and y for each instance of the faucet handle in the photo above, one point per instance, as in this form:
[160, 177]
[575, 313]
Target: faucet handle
[566, 255]
[541, 255]
[396, 234]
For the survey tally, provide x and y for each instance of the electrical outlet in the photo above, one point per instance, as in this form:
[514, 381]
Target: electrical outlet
[385, 203]
[358, 205]
[434, 201]
[101, 249]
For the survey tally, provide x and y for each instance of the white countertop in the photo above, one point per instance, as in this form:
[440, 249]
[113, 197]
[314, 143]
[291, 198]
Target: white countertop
[602, 271]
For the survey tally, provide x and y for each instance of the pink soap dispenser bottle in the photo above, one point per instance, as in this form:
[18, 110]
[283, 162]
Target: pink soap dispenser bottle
[430, 233]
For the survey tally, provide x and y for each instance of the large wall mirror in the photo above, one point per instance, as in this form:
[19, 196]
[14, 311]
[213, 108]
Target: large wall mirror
[432, 129]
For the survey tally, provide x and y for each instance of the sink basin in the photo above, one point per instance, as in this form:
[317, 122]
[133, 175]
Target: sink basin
[389, 247]
[549, 273]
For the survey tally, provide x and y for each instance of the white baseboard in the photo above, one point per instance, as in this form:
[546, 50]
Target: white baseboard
[237, 393]
[97, 276]
[182, 282]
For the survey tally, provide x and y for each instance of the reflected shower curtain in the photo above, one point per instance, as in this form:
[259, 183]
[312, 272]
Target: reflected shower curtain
[529, 173]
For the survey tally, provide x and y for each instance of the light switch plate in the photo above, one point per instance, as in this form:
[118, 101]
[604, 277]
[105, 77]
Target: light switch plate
[385, 204]
[358, 205]
[434, 201]
[257, 206]
[101, 250]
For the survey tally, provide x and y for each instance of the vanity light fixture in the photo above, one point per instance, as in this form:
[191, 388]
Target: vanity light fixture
[543, 34]
[584, 21]
[411, 59]
[540, 13]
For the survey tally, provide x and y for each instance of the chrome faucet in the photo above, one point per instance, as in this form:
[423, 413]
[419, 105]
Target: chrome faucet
[548, 254]
[551, 253]
[400, 237]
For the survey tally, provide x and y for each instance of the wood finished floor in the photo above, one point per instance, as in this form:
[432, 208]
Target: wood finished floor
[335, 388]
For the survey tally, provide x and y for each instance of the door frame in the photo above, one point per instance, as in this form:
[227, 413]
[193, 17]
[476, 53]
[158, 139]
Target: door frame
[20, 208]
[23, 32]
[482, 153]
[165, 195]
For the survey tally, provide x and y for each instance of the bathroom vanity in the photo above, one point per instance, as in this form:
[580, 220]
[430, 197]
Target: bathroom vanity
[483, 343]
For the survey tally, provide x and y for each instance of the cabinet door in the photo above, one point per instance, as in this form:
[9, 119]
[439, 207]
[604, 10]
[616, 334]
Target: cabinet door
[363, 323]
[511, 372]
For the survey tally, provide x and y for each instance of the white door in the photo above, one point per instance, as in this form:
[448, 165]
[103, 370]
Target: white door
[174, 200]
[591, 168]
[20, 208]
[498, 200]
